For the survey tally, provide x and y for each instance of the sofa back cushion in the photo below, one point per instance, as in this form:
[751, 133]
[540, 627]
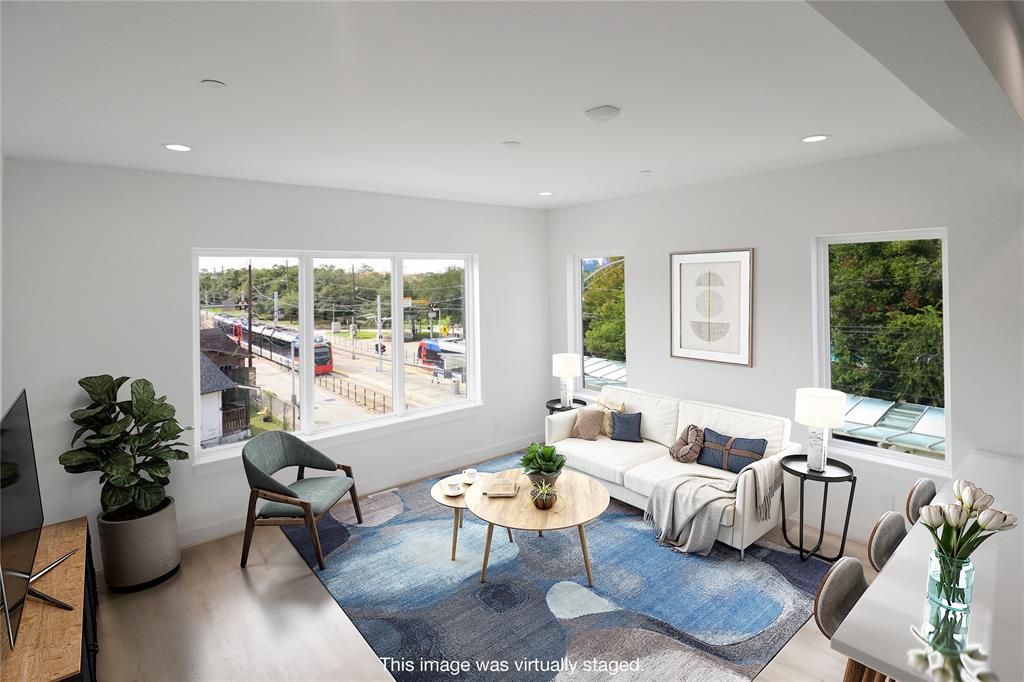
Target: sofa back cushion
[659, 412]
[736, 422]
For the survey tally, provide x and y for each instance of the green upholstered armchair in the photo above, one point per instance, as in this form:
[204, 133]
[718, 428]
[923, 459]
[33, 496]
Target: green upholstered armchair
[303, 502]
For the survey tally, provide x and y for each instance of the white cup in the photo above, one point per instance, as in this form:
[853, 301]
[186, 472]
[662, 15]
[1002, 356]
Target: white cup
[450, 487]
[469, 475]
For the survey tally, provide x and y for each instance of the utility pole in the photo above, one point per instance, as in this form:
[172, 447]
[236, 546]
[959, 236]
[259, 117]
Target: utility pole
[380, 337]
[276, 315]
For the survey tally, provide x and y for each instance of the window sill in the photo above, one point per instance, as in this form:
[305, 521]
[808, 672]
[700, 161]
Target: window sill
[910, 465]
[223, 458]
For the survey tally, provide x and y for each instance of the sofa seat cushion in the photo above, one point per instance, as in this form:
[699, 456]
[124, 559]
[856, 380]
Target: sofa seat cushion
[641, 479]
[608, 459]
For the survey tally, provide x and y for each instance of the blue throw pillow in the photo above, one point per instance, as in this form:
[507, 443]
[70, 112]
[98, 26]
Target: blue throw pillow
[719, 453]
[626, 427]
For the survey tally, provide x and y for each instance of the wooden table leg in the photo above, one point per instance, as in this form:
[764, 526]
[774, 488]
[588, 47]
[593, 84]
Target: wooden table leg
[509, 534]
[457, 521]
[487, 552]
[540, 533]
[586, 555]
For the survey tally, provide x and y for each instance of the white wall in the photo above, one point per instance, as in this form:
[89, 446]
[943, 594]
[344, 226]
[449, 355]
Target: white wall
[779, 214]
[96, 268]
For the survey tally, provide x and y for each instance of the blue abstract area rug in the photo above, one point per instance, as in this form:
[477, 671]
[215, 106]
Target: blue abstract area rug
[653, 613]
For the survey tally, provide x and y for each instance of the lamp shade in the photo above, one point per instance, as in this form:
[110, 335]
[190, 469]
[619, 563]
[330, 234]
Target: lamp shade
[820, 407]
[565, 365]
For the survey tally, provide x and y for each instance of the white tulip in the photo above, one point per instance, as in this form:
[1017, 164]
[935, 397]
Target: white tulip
[918, 659]
[982, 501]
[931, 515]
[958, 487]
[1010, 522]
[976, 653]
[986, 676]
[991, 519]
[967, 495]
[955, 515]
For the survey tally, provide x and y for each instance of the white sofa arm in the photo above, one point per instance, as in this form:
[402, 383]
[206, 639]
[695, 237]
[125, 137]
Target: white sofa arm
[558, 426]
[749, 527]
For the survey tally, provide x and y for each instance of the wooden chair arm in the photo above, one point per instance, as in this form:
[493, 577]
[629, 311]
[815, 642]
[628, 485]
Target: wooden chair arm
[277, 497]
[347, 469]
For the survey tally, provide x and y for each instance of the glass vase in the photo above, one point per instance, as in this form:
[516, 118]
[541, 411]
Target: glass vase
[950, 581]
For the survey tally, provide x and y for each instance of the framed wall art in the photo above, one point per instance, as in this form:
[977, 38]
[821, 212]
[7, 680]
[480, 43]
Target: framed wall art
[712, 305]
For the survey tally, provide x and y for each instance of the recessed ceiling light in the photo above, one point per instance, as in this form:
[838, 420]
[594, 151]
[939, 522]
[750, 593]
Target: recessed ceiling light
[177, 147]
[605, 112]
[213, 83]
[820, 137]
[511, 144]
[546, 194]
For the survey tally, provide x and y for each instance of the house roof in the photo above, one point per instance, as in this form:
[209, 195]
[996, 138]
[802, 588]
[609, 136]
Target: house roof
[214, 341]
[211, 379]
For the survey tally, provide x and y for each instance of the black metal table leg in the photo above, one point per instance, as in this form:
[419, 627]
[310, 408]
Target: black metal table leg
[804, 475]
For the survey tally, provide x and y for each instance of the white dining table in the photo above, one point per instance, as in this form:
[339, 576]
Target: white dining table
[877, 632]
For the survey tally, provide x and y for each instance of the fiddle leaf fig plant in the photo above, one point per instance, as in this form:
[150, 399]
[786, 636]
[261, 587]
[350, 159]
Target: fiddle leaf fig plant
[130, 442]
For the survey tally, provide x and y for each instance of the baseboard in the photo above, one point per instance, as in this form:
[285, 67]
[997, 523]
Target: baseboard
[236, 524]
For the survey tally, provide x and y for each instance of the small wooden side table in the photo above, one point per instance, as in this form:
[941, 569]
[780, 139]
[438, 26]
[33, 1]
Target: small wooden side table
[555, 405]
[457, 504]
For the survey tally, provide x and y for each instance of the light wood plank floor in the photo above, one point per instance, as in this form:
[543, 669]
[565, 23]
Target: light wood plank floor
[274, 620]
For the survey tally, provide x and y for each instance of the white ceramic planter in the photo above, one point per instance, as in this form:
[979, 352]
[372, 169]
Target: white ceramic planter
[142, 552]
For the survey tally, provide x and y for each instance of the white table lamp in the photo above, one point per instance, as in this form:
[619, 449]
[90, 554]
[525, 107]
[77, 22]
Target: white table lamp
[819, 409]
[566, 366]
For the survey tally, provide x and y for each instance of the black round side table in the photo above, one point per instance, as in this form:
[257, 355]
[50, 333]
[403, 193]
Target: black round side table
[835, 472]
[556, 405]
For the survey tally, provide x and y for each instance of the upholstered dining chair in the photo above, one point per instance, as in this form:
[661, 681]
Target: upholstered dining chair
[886, 536]
[303, 502]
[839, 591]
[921, 494]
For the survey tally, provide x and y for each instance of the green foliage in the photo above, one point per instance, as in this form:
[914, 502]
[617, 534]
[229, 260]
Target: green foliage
[542, 459]
[543, 490]
[604, 311]
[886, 318]
[130, 442]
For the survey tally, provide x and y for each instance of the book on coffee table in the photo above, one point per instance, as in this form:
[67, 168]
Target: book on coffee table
[501, 487]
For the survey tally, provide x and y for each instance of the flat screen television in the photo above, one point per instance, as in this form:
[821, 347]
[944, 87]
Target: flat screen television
[21, 512]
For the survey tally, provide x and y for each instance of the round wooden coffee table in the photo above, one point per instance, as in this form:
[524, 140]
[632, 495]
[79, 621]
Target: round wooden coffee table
[457, 503]
[581, 499]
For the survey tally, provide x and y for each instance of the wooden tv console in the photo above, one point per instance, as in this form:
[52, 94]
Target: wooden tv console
[54, 644]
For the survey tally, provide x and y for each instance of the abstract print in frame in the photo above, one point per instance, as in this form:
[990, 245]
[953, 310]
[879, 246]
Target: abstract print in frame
[712, 296]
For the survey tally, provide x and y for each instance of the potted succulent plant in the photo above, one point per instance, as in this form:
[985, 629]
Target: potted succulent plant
[544, 495]
[542, 463]
[131, 443]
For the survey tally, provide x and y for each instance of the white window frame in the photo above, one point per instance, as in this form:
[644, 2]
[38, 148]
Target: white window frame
[821, 329]
[574, 313]
[401, 418]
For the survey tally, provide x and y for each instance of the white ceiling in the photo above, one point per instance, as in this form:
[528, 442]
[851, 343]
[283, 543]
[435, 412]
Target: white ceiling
[414, 98]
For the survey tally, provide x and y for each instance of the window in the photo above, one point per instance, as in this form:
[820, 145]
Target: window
[435, 331]
[600, 333]
[260, 317]
[885, 335]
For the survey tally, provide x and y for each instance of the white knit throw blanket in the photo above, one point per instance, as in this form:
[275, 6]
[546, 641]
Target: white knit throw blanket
[686, 510]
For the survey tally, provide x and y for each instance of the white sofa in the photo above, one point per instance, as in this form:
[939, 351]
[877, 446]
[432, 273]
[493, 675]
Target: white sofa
[631, 470]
